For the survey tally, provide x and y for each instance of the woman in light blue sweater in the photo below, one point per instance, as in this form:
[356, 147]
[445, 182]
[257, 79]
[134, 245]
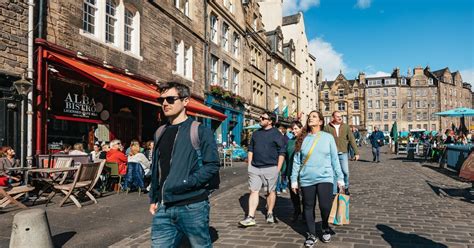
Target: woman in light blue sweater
[314, 175]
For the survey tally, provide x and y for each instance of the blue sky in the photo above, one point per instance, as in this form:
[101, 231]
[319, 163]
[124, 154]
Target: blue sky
[376, 36]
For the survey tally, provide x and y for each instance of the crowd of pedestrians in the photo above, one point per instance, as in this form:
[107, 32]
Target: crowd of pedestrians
[315, 161]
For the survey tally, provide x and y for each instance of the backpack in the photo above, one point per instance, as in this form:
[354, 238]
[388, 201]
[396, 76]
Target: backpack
[214, 182]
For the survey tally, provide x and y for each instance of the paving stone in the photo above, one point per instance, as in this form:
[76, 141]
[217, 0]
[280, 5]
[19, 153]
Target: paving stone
[393, 204]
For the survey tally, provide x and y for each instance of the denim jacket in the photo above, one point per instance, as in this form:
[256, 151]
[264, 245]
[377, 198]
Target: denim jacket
[186, 179]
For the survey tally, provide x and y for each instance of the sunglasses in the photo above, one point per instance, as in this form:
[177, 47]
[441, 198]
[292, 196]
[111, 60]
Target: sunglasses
[169, 99]
[264, 118]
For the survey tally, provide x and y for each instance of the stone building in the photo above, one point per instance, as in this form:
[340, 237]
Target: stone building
[293, 28]
[13, 63]
[345, 96]
[284, 77]
[226, 38]
[454, 93]
[106, 58]
[256, 50]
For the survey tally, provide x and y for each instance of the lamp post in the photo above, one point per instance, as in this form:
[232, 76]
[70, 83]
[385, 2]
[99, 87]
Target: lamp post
[23, 87]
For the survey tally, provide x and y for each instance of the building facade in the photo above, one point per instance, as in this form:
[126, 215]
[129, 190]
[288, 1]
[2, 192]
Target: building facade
[345, 96]
[284, 77]
[13, 63]
[226, 34]
[294, 29]
[99, 67]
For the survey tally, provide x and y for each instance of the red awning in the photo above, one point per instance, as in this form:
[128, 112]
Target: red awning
[127, 86]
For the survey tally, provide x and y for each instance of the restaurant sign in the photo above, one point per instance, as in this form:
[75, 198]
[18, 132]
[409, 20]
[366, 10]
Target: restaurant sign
[78, 101]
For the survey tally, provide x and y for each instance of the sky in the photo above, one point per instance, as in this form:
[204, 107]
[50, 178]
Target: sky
[376, 36]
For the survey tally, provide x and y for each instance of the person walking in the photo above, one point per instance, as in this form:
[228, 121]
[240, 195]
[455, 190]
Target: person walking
[343, 135]
[376, 140]
[265, 158]
[315, 165]
[178, 197]
[296, 128]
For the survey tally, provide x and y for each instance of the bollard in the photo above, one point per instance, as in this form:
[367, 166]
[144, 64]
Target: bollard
[30, 228]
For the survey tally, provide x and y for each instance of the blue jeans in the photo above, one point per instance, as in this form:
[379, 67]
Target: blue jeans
[344, 162]
[170, 224]
[376, 153]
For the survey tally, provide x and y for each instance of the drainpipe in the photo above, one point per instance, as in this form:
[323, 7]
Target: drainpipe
[29, 102]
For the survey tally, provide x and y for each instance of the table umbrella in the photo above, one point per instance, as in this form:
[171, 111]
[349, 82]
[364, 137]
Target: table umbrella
[394, 132]
[458, 112]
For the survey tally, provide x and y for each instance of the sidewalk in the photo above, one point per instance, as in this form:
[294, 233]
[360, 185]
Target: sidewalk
[394, 204]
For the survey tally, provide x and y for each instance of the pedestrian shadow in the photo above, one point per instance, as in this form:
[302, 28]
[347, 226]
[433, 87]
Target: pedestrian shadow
[244, 204]
[400, 239]
[59, 240]
[462, 194]
[405, 159]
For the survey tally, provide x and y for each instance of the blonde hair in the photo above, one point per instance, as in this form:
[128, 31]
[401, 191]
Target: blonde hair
[79, 147]
[134, 149]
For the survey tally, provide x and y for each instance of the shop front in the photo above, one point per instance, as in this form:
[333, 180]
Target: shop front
[10, 111]
[231, 129]
[82, 101]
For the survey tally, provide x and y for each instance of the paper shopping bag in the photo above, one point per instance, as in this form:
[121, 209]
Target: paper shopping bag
[340, 210]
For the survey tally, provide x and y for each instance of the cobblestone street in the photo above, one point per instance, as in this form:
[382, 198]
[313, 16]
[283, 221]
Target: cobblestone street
[395, 203]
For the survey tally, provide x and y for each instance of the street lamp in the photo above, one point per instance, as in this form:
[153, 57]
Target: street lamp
[23, 87]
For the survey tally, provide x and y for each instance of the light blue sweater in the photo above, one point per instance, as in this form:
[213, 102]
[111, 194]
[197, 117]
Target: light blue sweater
[323, 165]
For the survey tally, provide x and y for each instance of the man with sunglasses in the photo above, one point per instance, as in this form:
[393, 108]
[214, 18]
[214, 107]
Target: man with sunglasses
[178, 196]
[266, 155]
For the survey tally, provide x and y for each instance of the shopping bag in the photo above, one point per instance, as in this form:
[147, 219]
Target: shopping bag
[340, 210]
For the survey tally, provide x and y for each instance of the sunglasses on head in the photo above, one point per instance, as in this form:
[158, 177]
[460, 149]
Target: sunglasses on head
[169, 99]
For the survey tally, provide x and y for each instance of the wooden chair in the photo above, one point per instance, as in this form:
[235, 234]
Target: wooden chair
[114, 173]
[84, 177]
[96, 179]
[10, 196]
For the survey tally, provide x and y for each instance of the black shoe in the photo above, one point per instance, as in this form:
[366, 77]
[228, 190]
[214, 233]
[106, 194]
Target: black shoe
[310, 241]
[378, 161]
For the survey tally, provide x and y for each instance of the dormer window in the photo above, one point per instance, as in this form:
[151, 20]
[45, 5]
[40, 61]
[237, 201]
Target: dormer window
[280, 44]
[404, 81]
[430, 81]
[292, 55]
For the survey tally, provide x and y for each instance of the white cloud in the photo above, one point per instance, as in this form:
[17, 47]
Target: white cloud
[328, 59]
[379, 74]
[291, 7]
[363, 4]
[468, 76]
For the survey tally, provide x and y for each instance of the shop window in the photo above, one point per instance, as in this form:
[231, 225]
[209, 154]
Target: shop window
[89, 16]
[236, 45]
[225, 36]
[183, 6]
[214, 28]
[235, 82]
[183, 59]
[110, 20]
[225, 75]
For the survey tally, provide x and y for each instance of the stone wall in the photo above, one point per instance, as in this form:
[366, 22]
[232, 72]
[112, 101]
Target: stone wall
[13, 36]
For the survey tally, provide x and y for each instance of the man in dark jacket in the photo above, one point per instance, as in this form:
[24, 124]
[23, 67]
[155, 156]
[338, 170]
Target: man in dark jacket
[178, 197]
[266, 155]
[376, 140]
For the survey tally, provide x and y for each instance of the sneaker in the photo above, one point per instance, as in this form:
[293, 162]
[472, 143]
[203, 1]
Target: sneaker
[248, 221]
[326, 237]
[310, 241]
[270, 218]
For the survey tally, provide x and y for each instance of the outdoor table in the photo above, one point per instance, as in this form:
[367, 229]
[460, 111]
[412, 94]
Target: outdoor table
[456, 155]
[49, 171]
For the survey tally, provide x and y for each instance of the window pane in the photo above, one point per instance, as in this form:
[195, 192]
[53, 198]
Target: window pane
[88, 21]
[128, 30]
[110, 20]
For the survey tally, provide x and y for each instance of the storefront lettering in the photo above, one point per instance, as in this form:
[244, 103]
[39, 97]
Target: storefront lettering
[80, 105]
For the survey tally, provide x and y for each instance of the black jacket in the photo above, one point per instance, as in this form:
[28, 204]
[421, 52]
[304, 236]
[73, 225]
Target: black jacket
[186, 179]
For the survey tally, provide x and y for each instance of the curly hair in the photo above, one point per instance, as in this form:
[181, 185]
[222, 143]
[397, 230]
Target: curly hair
[307, 129]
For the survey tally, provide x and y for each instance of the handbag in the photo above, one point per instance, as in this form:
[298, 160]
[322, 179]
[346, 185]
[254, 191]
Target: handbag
[309, 154]
[340, 210]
